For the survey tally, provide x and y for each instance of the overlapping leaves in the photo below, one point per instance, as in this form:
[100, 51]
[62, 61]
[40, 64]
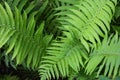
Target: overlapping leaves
[84, 21]
[19, 32]
[61, 56]
[106, 57]
[88, 19]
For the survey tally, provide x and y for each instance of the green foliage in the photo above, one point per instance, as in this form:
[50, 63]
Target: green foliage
[62, 38]
[88, 20]
[81, 75]
[107, 55]
[8, 77]
[19, 32]
[61, 55]
[106, 78]
[84, 21]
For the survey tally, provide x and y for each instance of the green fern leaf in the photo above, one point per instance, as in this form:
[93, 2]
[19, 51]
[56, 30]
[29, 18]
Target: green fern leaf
[106, 56]
[90, 19]
[24, 41]
[5, 21]
[60, 57]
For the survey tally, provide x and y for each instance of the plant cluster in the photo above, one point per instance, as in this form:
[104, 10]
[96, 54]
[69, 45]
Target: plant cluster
[61, 39]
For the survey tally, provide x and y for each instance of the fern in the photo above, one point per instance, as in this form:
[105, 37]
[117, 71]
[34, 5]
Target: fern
[21, 4]
[85, 20]
[78, 28]
[106, 57]
[88, 20]
[19, 34]
[62, 56]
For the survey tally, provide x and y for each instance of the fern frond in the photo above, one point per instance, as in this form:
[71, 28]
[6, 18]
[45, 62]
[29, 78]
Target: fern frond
[21, 4]
[89, 19]
[6, 19]
[62, 55]
[106, 57]
[20, 33]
